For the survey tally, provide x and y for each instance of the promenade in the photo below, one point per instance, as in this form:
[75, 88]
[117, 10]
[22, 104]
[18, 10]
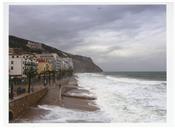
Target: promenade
[68, 95]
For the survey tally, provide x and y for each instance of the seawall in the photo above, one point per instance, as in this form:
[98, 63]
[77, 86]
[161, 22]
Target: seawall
[20, 104]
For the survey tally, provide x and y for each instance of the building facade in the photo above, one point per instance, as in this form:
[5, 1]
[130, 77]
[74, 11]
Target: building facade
[67, 63]
[43, 66]
[34, 45]
[51, 58]
[16, 65]
[58, 61]
[19, 62]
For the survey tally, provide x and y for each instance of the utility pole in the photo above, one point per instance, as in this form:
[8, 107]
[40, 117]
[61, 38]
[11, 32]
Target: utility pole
[44, 77]
[59, 97]
[49, 77]
[54, 76]
[60, 87]
[29, 80]
[11, 87]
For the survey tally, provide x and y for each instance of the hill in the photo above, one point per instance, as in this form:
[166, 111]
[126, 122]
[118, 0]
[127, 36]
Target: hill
[81, 63]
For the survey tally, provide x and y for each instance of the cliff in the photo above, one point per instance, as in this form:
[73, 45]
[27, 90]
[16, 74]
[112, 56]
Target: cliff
[84, 64]
[81, 63]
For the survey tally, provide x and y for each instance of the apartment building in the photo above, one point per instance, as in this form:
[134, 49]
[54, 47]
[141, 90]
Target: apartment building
[19, 62]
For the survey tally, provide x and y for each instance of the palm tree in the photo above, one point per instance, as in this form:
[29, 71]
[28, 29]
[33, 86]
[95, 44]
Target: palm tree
[30, 71]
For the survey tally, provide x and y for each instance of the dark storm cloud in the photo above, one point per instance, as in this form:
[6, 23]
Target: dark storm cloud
[110, 34]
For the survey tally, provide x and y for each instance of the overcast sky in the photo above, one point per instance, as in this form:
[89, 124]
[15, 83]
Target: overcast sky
[116, 37]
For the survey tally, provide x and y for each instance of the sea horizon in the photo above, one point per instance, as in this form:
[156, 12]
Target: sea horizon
[145, 75]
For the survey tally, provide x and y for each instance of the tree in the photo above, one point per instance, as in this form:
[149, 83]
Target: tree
[30, 71]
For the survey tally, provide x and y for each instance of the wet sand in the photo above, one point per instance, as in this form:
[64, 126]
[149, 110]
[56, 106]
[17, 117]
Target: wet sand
[80, 100]
[81, 104]
[34, 113]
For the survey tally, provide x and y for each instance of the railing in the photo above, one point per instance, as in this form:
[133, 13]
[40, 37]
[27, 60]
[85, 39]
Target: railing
[18, 86]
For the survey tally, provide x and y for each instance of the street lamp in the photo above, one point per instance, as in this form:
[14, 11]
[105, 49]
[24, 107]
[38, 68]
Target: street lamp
[49, 76]
[44, 77]
[11, 87]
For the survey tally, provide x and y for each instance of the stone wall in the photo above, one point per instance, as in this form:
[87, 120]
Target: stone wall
[20, 104]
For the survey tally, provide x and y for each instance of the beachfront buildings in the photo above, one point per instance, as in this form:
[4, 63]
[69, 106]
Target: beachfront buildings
[43, 66]
[19, 62]
[47, 58]
[16, 65]
[46, 63]
[56, 62]
[67, 63]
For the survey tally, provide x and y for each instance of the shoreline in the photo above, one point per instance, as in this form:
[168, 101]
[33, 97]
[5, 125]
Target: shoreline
[72, 97]
[76, 108]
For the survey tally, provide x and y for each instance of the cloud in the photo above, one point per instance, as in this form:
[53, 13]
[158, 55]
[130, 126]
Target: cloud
[117, 37]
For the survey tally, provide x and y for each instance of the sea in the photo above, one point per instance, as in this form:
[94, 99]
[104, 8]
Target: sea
[123, 97]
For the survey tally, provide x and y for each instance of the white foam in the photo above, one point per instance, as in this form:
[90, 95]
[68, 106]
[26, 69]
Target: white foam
[125, 99]
[60, 114]
[81, 94]
[119, 100]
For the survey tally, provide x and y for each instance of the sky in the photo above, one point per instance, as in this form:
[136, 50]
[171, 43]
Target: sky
[116, 37]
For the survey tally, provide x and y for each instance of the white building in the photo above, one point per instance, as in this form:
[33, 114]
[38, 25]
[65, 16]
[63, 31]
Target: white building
[67, 63]
[34, 45]
[17, 63]
[58, 61]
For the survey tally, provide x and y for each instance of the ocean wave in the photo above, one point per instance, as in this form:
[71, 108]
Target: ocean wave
[60, 114]
[134, 81]
[127, 99]
[119, 99]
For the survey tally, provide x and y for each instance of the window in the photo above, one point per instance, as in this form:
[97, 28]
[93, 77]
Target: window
[11, 67]
[17, 56]
[11, 62]
[12, 56]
